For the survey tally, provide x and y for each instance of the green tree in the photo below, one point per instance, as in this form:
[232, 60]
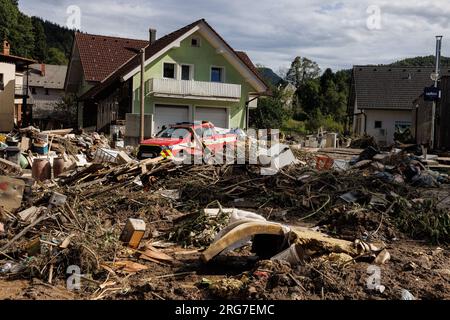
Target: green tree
[56, 56]
[327, 79]
[8, 18]
[334, 94]
[40, 41]
[270, 113]
[309, 99]
[16, 28]
[31, 37]
[301, 70]
[22, 37]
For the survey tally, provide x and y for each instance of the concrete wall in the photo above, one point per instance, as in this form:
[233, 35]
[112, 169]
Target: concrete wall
[388, 119]
[132, 131]
[7, 97]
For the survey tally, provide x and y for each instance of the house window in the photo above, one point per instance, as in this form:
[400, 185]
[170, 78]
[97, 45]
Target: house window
[378, 124]
[186, 72]
[169, 71]
[47, 92]
[195, 42]
[217, 74]
[2, 85]
[33, 90]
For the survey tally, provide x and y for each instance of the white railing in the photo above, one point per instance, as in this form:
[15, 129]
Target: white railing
[195, 88]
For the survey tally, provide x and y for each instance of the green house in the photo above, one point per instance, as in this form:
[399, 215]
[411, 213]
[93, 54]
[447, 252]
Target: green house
[191, 74]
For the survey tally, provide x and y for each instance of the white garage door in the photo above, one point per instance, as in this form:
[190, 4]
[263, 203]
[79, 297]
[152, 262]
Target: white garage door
[218, 116]
[166, 115]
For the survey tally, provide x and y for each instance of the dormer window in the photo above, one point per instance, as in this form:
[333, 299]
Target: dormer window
[195, 42]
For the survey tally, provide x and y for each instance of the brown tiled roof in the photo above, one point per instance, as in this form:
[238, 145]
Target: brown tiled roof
[101, 55]
[385, 87]
[16, 59]
[152, 50]
[133, 62]
[246, 59]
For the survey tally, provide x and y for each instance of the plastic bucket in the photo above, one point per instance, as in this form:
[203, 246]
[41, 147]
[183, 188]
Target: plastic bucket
[58, 167]
[324, 163]
[41, 169]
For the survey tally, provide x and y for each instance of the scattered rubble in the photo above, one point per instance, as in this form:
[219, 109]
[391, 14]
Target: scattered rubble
[308, 230]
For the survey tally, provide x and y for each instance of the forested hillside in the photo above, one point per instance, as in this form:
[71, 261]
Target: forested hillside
[33, 37]
[420, 62]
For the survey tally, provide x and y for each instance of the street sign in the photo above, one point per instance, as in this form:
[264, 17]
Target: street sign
[432, 94]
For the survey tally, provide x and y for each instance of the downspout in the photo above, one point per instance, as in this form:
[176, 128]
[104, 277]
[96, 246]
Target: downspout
[416, 122]
[26, 120]
[30, 120]
[142, 98]
[365, 121]
[247, 111]
[247, 108]
[365, 118]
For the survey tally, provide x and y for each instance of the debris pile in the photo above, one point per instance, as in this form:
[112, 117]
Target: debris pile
[129, 228]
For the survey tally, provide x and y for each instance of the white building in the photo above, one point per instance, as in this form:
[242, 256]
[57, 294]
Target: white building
[14, 107]
[46, 83]
[381, 99]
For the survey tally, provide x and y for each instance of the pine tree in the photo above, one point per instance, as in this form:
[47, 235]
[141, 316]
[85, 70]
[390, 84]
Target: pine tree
[16, 28]
[40, 41]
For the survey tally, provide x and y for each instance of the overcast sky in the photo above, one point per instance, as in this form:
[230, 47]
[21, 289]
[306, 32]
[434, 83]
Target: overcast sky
[336, 34]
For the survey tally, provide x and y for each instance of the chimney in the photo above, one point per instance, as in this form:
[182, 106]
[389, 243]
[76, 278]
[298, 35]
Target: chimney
[6, 48]
[152, 34]
[42, 69]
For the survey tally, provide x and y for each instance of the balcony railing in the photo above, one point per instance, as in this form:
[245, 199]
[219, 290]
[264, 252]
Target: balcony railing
[194, 89]
[21, 90]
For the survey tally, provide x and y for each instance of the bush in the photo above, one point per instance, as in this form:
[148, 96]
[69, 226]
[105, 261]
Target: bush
[329, 124]
[317, 120]
[270, 113]
[293, 126]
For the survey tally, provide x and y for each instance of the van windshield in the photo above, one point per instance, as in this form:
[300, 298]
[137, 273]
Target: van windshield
[174, 133]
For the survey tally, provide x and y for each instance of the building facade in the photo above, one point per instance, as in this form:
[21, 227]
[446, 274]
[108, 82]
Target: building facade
[381, 99]
[14, 92]
[191, 74]
[46, 90]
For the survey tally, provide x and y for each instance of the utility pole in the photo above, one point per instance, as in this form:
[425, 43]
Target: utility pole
[142, 97]
[436, 79]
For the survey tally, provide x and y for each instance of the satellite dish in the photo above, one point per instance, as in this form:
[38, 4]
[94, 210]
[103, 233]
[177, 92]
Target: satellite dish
[434, 76]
